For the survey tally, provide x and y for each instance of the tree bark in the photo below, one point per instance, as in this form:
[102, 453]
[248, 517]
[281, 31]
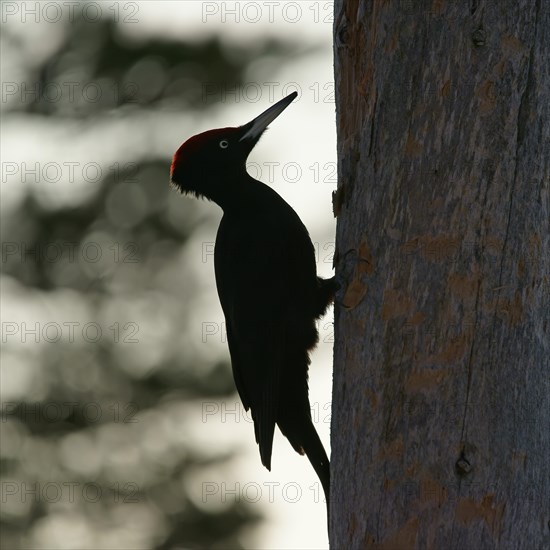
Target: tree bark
[441, 397]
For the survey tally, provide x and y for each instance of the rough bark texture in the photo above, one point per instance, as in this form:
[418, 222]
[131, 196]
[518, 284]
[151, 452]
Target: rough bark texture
[441, 405]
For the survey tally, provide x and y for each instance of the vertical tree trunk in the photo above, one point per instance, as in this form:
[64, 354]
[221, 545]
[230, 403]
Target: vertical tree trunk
[441, 405]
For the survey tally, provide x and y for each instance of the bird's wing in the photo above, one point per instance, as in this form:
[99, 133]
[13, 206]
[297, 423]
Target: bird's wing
[253, 301]
[257, 364]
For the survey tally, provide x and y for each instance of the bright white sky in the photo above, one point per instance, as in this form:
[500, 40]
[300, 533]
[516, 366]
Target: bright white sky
[302, 140]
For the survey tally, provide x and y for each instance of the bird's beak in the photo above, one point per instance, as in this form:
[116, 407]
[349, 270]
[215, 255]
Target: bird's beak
[255, 128]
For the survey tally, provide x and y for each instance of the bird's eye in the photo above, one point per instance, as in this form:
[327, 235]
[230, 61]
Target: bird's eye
[224, 144]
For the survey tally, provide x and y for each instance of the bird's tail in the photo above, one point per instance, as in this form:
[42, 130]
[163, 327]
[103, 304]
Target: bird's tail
[318, 457]
[304, 438]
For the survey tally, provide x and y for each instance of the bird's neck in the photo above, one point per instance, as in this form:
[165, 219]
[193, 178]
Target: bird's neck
[239, 195]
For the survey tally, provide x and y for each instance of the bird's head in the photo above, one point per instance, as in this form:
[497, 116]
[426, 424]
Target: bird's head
[209, 164]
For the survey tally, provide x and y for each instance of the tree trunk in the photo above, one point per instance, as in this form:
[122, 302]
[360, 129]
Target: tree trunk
[441, 404]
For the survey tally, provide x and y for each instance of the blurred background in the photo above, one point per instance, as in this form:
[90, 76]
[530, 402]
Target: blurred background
[120, 425]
